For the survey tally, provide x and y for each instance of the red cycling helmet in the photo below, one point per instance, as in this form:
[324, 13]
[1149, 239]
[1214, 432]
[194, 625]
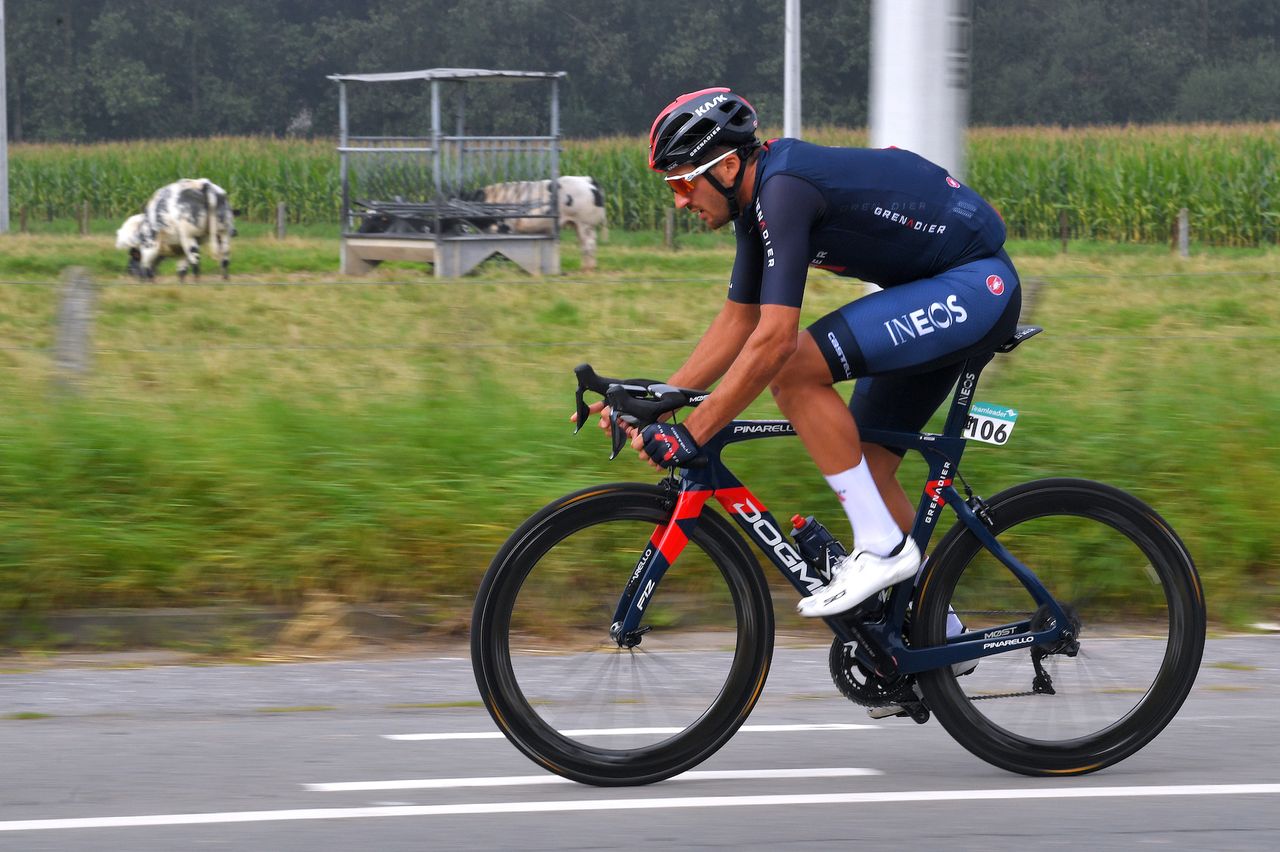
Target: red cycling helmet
[697, 122]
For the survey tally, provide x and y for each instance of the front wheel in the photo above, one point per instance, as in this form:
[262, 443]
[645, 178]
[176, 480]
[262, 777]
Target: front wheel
[565, 693]
[1127, 583]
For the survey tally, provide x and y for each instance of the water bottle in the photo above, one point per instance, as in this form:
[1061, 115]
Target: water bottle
[817, 545]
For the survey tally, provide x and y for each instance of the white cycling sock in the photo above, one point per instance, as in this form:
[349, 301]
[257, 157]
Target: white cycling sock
[874, 529]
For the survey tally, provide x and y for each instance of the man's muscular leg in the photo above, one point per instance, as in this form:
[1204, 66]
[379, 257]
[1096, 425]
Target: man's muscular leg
[884, 470]
[804, 393]
[883, 555]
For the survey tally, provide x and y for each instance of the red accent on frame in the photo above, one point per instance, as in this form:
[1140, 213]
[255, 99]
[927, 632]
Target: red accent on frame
[741, 494]
[932, 488]
[669, 539]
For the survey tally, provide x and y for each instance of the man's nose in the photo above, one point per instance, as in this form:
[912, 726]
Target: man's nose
[682, 201]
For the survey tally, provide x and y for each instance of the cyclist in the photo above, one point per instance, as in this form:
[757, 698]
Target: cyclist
[885, 216]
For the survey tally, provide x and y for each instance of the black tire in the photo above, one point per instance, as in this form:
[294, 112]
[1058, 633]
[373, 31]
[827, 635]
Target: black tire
[1140, 642]
[554, 681]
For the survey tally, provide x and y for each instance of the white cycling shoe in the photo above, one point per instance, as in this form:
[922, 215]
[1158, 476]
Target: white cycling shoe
[860, 576]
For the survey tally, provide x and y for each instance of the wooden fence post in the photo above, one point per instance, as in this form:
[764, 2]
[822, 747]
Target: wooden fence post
[22, 220]
[84, 219]
[669, 230]
[281, 218]
[1063, 231]
[1184, 233]
[72, 347]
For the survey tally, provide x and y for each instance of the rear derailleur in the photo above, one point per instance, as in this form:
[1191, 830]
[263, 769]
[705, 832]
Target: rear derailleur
[1068, 644]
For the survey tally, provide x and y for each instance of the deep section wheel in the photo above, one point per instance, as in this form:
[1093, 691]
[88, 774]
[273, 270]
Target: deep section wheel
[1136, 608]
[587, 706]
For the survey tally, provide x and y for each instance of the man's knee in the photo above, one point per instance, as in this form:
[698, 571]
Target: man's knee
[805, 369]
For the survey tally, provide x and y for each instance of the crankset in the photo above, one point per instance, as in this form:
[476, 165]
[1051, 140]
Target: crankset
[858, 683]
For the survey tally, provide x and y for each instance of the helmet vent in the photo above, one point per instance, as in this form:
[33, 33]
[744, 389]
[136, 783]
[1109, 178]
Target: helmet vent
[684, 133]
[702, 128]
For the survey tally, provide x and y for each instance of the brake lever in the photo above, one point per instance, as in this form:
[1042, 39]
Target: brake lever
[584, 411]
[617, 435]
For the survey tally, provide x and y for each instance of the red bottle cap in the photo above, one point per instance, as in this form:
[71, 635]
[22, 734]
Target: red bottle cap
[797, 521]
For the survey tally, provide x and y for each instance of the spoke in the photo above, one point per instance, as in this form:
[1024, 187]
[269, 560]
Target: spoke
[669, 680]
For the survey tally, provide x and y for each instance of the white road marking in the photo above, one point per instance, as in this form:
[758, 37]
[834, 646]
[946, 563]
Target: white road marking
[523, 780]
[640, 804]
[622, 732]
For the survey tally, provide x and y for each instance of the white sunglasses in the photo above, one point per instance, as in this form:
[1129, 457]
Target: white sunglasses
[688, 177]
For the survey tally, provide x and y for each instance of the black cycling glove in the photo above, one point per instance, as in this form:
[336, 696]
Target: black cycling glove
[669, 444]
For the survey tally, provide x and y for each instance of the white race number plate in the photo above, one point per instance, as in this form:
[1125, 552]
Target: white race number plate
[991, 424]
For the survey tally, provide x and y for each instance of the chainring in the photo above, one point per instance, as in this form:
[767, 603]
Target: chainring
[863, 686]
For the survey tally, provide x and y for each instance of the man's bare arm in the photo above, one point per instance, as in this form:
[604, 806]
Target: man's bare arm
[762, 355]
[719, 346]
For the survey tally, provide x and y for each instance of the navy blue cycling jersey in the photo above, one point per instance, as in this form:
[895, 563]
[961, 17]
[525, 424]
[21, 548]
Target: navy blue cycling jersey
[883, 215]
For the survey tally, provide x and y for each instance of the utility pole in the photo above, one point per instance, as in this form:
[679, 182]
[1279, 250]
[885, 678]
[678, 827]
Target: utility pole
[4, 134]
[920, 77]
[791, 72]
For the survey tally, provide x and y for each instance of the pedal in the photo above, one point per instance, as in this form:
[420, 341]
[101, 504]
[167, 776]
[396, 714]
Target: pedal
[917, 713]
[886, 711]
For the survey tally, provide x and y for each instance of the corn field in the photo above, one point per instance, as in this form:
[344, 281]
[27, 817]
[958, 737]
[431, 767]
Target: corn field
[1116, 184]
[54, 181]
[1126, 185]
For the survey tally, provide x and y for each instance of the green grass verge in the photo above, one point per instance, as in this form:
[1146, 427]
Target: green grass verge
[255, 443]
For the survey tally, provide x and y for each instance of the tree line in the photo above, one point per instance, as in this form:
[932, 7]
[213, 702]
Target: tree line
[88, 70]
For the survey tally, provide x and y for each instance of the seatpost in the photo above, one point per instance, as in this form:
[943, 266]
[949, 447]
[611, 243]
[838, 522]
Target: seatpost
[966, 387]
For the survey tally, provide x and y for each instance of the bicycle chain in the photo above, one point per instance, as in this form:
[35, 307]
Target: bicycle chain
[1002, 695]
[1021, 613]
[1005, 612]
[873, 694]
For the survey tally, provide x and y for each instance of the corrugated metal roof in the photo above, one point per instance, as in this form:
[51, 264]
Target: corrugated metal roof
[446, 74]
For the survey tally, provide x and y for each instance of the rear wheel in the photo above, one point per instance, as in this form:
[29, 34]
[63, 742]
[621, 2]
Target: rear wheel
[1130, 587]
[564, 692]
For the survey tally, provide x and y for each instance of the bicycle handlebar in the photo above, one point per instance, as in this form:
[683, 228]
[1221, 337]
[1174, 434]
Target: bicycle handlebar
[635, 402]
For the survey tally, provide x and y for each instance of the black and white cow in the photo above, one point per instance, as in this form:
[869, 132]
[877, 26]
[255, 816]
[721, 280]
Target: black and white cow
[175, 221]
[581, 206]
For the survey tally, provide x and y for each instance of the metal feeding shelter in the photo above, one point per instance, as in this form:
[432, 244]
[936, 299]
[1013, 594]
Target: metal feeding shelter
[452, 199]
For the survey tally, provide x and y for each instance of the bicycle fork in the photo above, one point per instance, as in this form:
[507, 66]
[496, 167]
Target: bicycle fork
[669, 539]
[665, 545]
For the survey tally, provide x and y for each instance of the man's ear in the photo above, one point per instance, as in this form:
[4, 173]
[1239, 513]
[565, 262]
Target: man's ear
[729, 168]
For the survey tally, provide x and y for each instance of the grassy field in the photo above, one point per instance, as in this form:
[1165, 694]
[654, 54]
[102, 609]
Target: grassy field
[253, 442]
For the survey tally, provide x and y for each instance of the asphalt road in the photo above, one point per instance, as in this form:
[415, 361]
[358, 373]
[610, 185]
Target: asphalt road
[392, 754]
